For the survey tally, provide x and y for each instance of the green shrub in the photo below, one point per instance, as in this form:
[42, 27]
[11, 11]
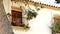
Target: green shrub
[56, 27]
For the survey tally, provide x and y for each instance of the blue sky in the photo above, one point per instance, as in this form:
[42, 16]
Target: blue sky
[50, 2]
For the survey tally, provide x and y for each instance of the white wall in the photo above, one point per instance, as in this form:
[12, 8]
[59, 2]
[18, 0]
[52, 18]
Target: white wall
[7, 5]
[40, 24]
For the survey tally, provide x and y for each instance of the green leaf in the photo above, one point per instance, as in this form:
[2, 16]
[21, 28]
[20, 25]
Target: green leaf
[58, 1]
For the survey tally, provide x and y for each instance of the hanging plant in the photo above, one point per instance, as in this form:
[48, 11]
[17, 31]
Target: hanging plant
[31, 14]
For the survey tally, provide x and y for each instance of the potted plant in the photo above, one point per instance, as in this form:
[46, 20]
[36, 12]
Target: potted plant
[25, 26]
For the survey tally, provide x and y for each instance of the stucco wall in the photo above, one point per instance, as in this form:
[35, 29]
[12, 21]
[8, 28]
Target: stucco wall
[51, 9]
[7, 6]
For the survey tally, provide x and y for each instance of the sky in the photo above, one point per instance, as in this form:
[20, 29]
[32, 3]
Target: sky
[50, 2]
